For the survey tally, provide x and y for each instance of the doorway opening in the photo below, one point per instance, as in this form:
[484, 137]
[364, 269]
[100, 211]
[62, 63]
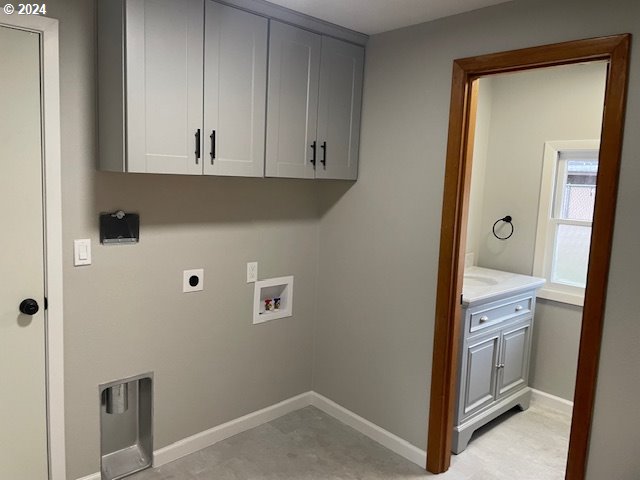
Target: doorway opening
[456, 204]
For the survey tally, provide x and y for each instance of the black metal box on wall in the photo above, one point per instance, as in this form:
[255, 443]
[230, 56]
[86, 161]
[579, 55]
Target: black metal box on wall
[119, 228]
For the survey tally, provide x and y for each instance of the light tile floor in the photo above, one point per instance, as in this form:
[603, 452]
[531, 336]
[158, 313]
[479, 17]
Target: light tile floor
[530, 445]
[310, 445]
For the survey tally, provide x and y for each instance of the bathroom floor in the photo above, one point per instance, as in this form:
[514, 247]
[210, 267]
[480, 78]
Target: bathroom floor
[308, 445]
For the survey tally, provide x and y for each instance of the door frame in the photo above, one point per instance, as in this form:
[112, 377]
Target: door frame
[52, 214]
[466, 71]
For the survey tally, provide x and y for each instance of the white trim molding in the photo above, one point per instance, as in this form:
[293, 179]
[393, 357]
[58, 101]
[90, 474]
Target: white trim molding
[214, 435]
[546, 399]
[93, 476]
[543, 251]
[50, 92]
[371, 430]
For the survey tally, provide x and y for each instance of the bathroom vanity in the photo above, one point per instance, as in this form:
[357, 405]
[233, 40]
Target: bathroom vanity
[497, 314]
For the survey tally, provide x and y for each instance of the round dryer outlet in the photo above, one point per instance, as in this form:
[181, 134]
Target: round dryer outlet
[193, 280]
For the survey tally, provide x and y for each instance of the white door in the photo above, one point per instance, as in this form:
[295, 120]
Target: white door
[292, 101]
[23, 432]
[164, 86]
[235, 89]
[339, 105]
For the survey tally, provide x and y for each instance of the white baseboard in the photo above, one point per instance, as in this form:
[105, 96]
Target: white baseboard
[93, 476]
[371, 430]
[214, 435]
[209, 437]
[551, 401]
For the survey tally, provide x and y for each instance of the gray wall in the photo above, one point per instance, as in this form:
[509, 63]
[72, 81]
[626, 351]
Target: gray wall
[479, 166]
[555, 345]
[379, 241]
[125, 314]
[522, 111]
[529, 109]
[378, 256]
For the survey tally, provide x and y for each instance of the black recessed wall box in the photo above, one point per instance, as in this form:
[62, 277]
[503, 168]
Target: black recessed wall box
[119, 228]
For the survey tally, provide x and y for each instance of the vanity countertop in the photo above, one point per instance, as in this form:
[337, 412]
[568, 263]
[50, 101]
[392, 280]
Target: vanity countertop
[481, 284]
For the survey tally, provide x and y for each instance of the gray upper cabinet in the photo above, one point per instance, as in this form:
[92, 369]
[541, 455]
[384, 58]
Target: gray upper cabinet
[182, 87]
[149, 122]
[235, 84]
[313, 105]
[339, 105]
[202, 88]
[292, 101]
[164, 54]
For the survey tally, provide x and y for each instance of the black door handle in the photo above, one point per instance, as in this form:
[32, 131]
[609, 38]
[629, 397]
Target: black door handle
[324, 153]
[213, 145]
[313, 158]
[29, 306]
[197, 145]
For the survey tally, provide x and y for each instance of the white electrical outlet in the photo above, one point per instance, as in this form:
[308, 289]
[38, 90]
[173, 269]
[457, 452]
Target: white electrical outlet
[252, 272]
[193, 280]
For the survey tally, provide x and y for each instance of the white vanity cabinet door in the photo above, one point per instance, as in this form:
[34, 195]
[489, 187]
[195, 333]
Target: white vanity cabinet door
[235, 84]
[513, 373]
[479, 376]
[292, 101]
[164, 42]
[339, 107]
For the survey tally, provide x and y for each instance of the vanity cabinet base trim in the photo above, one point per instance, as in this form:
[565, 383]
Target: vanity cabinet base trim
[462, 433]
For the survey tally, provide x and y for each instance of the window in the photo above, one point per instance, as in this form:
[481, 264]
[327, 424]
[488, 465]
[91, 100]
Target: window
[567, 199]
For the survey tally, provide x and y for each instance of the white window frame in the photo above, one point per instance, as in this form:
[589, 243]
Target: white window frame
[545, 238]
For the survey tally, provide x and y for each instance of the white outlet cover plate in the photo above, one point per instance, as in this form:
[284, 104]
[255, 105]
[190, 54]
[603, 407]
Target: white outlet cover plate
[186, 279]
[252, 272]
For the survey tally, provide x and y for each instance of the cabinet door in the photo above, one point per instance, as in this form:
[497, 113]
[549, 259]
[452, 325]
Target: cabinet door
[514, 358]
[292, 101]
[235, 87]
[478, 385]
[339, 106]
[164, 41]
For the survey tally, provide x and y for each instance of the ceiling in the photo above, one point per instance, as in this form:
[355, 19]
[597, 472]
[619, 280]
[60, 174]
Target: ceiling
[375, 16]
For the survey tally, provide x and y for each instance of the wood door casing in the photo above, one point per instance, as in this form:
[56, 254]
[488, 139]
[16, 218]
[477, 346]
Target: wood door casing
[614, 49]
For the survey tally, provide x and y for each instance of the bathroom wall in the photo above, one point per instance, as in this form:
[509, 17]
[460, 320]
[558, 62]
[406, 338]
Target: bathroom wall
[525, 110]
[528, 109]
[479, 165]
[379, 241]
[125, 314]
